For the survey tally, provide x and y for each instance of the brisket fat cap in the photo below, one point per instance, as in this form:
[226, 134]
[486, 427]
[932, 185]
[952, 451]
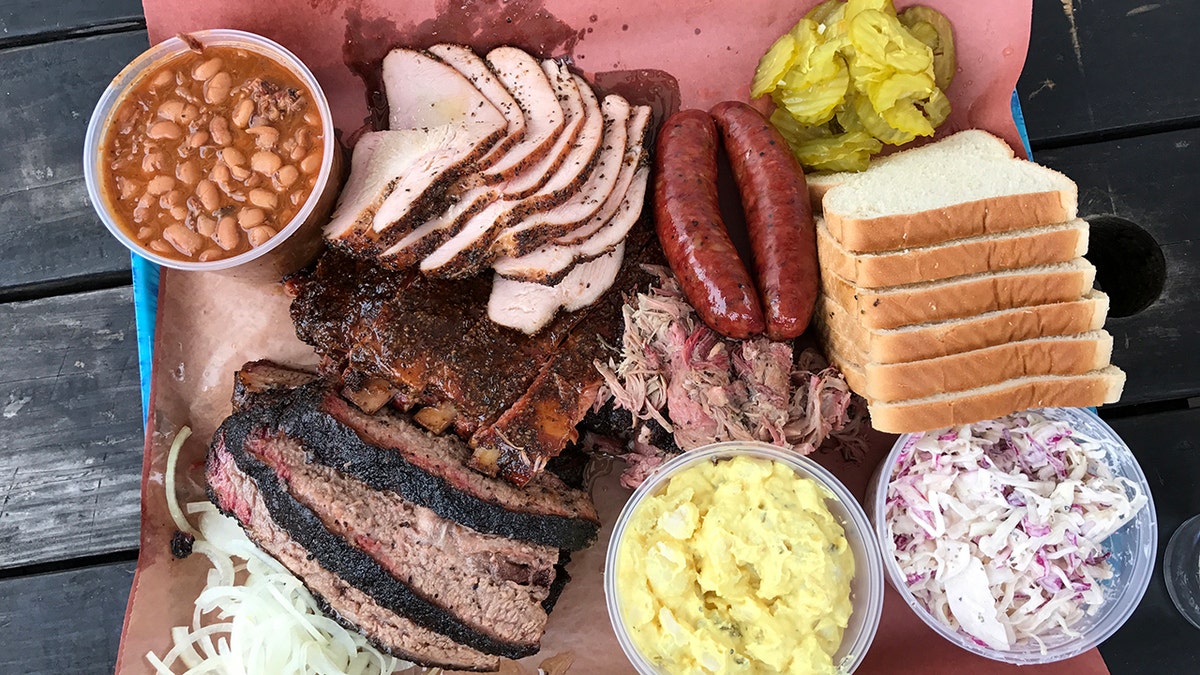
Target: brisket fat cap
[344, 559]
[388, 452]
[491, 584]
[237, 495]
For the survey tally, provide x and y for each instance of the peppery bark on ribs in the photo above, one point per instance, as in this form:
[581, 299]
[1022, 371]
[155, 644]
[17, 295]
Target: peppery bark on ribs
[429, 343]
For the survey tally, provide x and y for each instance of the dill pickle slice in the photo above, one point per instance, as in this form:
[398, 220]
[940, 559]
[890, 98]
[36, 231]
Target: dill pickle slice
[944, 60]
[855, 7]
[826, 13]
[774, 65]
[874, 123]
[794, 132]
[849, 151]
[814, 103]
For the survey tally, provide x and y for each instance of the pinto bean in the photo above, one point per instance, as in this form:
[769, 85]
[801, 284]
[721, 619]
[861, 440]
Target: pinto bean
[287, 175]
[265, 162]
[264, 137]
[208, 69]
[227, 236]
[210, 198]
[160, 185]
[217, 89]
[311, 164]
[260, 235]
[263, 199]
[249, 218]
[242, 113]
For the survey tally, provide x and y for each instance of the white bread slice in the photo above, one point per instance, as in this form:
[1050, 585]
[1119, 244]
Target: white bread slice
[961, 297]
[945, 195]
[965, 407]
[1057, 355]
[1007, 250]
[942, 338]
[970, 141]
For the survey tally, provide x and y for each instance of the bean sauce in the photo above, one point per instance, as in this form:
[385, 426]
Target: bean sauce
[211, 154]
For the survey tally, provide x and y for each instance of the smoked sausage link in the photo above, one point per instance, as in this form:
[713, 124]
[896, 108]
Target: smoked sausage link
[779, 217]
[693, 236]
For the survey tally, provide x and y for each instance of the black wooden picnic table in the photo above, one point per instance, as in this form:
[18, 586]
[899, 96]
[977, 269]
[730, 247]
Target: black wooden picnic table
[1111, 97]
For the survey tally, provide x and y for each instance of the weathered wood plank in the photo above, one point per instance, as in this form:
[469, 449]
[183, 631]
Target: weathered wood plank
[1149, 180]
[70, 428]
[1157, 639]
[31, 20]
[48, 230]
[64, 622]
[1100, 66]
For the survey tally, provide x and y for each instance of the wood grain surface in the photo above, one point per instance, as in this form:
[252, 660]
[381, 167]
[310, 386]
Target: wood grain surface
[63, 622]
[48, 230]
[1149, 181]
[1110, 67]
[70, 428]
[25, 20]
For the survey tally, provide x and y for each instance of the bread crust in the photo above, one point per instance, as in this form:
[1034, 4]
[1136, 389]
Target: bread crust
[960, 297]
[951, 337]
[957, 221]
[1073, 391]
[1063, 355]
[1022, 248]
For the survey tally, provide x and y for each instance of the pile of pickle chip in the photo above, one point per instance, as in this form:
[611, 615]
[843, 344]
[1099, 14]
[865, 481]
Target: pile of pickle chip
[853, 75]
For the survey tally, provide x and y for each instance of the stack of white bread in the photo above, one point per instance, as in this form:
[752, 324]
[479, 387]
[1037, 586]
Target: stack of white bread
[953, 288]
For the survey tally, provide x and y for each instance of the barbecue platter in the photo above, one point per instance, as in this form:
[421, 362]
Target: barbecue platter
[533, 282]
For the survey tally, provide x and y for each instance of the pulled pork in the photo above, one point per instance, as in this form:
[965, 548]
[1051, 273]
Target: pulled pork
[704, 388]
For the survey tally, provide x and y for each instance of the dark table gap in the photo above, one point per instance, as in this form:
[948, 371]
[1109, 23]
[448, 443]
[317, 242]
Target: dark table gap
[122, 26]
[100, 281]
[69, 564]
[1116, 134]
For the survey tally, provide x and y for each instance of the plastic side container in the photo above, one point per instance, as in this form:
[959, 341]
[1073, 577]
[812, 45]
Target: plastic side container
[295, 244]
[1132, 548]
[866, 589]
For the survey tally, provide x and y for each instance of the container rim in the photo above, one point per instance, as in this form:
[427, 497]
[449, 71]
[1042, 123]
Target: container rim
[137, 69]
[851, 654]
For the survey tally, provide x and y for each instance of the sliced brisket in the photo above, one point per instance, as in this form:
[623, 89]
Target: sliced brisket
[388, 452]
[239, 496]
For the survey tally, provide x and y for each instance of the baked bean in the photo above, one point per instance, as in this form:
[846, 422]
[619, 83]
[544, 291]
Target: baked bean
[179, 213]
[264, 137]
[311, 164]
[217, 89]
[163, 79]
[206, 226]
[145, 233]
[190, 114]
[265, 162]
[171, 110]
[219, 127]
[287, 175]
[220, 173]
[250, 218]
[188, 172]
[160, 185]
[233, 157]
[263, 199]
[184, 240]
[259, 235]
[129, 188]
[255, 180]
[197, 139]
[160, 246]
[242, 113]
[209, 254]
[164, 129]
[207, 69]
[206, 190]
[152, 162]
[298, 153]
[240, 172]
[172, 199]
[227, 236]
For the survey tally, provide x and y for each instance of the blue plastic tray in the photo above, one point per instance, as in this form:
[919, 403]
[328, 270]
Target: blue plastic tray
[145, 291]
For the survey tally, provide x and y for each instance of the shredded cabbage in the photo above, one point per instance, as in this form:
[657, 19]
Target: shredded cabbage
[999, 526]
[262, 618]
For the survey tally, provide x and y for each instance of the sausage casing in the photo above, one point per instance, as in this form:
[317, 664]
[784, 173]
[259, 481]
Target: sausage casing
[693, 236]
[779, 217]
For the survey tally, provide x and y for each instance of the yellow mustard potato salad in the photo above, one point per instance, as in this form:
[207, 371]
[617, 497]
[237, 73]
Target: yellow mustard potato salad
[737, 567]
[853, 75]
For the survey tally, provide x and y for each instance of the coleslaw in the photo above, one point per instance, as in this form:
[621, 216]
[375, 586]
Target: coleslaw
[999, 526]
